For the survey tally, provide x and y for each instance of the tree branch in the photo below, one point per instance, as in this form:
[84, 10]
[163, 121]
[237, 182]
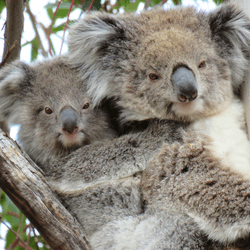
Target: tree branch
[14, 28]
[24, 183]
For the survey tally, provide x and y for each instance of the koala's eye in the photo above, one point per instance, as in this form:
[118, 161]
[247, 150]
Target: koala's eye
[48, 110]
[202, 65]
[85, 106]
[153, 77]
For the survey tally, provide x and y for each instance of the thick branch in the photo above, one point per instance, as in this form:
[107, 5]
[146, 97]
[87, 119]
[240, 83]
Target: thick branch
[14, 27]
[23, 182]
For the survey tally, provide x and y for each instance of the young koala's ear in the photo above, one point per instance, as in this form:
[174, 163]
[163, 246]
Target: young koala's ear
[230, 29]
[14, 84]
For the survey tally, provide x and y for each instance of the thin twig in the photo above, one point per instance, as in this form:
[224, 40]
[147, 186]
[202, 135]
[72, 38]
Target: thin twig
[28, 238]
[162, 3]
[19, 238]
[34, 24]
[21, 222]
[66, 25]
[90, 6]
[146, 5]
[50, 52]
[8, 53]
[35, 236]
[16, 215]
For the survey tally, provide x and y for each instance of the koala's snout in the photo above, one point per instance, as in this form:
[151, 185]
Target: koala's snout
[184, 84]
[69, 120]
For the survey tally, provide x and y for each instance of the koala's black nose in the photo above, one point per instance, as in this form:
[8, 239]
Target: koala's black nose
[184, 84]
[69, 120]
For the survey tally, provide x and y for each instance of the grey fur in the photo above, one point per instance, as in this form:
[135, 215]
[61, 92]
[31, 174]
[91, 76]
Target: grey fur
[25, 91]
[116, 54]
[100, 183]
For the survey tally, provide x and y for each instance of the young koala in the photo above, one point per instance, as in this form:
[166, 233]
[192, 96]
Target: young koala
[177, 70]
[49, 102]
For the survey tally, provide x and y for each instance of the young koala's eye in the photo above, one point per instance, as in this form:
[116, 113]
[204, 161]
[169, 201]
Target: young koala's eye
[153, 77]
[48, 110]
[85, 106]
[202, 65]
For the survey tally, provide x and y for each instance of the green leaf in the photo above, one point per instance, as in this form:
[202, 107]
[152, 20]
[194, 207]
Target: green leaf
[155, 2]
[124, 3]
[40, 239]
[218, 1]
[34, 49]
[63, 5]
[10, 237]
[58, 28]
[177, 2]
[2, 5]
[3, 198]
[132, 6]
[61, 26]
[96, 5]
[62, 11]
[50, 13]
[10, 207]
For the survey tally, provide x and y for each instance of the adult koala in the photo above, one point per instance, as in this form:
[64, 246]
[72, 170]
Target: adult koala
[176, 72]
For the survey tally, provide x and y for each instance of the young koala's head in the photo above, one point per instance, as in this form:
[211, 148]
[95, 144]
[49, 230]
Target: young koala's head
[50, 103]
[175, 64]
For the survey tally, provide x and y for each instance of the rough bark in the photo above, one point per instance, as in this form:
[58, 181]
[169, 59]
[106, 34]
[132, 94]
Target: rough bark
[24, 183]
[12, 36]
[13, 29]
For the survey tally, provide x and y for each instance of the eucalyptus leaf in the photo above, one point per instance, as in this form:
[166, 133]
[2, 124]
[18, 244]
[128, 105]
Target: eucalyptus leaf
[132, 6]
[2, 5]
[34, 49]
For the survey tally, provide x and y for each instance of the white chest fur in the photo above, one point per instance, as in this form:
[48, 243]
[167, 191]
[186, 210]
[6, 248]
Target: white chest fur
[228, 137]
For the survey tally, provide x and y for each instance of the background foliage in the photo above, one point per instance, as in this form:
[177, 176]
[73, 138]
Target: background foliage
[16, 232]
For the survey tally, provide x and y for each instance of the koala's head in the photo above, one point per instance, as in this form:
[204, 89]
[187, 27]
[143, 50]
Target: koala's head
[49, 102]
[176, 64]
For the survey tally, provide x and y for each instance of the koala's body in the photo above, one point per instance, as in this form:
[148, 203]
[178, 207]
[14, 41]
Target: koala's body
[175, 72]
[49, 102]
[178, 70]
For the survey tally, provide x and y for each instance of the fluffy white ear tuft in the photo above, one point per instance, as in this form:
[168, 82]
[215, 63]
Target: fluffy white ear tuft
[230, 29]
[91, 35]
[14, 81]
[93, 41]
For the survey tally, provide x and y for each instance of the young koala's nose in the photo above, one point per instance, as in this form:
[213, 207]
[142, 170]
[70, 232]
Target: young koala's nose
[68, 118]
[184, 84]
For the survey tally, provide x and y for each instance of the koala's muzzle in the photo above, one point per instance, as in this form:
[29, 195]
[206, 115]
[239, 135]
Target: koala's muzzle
[69, 120]
[184, 84]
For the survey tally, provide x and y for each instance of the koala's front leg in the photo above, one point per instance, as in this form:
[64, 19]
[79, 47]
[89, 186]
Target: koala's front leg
[110, 160]
[189, 176]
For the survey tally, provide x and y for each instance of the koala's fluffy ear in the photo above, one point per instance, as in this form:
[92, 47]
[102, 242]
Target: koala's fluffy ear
[14, 84]
[230, 29]
[96, 43]
[91, 35]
